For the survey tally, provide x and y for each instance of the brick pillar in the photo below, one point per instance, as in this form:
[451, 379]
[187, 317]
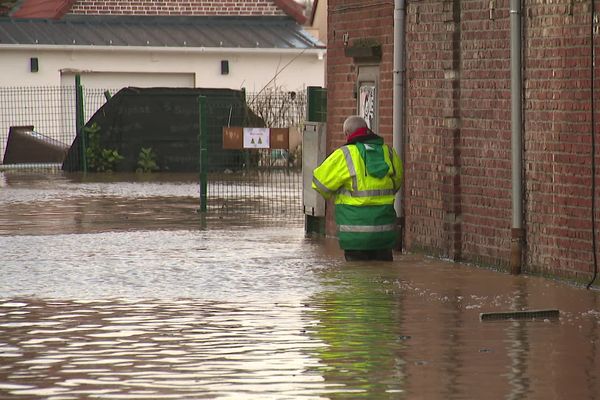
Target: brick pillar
[451, 198]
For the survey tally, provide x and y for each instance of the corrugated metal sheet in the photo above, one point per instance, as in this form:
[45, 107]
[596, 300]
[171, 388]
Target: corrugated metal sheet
[232, 32]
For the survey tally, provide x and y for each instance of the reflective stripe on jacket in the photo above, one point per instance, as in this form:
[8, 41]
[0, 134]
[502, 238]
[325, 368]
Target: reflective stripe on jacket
[364, 204]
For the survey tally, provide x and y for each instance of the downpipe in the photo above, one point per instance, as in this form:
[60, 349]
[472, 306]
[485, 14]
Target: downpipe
[594, 28]
[516, 89]
[398, 104]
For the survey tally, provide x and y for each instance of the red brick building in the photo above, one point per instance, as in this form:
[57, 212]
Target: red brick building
[58, 8]
[456, 123]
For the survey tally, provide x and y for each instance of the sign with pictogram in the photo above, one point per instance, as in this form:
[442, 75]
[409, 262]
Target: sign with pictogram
[237, 138]
[256, 138]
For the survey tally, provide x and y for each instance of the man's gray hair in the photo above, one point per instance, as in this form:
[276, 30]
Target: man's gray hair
[353, 123]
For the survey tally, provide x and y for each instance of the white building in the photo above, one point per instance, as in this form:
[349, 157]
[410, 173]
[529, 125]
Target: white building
[241, 44]
[113, 50]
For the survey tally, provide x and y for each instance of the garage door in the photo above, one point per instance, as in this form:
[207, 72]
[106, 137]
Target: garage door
[117, 80]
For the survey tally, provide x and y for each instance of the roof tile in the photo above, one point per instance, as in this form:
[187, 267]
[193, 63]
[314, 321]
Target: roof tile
[209, 32]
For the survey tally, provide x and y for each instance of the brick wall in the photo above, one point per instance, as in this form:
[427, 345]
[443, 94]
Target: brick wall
[558, 135]
[432, 124]
[458, 202]
[177, 7]
[458, 188]
[485, 115]
[354, 20]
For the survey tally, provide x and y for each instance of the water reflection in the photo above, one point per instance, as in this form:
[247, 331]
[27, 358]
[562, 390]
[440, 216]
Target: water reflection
[118, 289]
[553, 359]
[150, 349]
[270, 264]
[360, 322]
[518, 347]
[402, 331]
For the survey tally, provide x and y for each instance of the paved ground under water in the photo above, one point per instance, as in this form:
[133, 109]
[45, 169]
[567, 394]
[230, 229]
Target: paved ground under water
[114, 287]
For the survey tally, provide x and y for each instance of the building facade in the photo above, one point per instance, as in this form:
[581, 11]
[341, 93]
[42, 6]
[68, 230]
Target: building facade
[260, 46]
[249, 44]
[456, 133]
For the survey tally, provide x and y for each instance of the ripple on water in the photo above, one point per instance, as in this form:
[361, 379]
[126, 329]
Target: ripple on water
[217, 264]
[185, 349]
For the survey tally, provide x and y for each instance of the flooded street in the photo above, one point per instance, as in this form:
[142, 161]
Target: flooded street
[114, 287]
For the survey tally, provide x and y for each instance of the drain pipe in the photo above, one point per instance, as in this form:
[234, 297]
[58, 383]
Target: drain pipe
[516, 89]
[593, 21]
[398, 103]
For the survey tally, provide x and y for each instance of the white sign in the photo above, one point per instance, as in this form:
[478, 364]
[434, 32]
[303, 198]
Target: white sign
[367, 103]
[256, 138]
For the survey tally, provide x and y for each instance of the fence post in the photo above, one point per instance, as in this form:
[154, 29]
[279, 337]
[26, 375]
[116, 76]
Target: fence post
[245, 152]
[316, 104]
[79, 120]
[316, 111]
[203, 139]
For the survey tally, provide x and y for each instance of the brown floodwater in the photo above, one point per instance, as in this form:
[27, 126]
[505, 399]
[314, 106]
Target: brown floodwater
[115, 287]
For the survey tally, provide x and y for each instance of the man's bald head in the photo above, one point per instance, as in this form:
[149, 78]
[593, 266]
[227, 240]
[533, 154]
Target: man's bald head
[353, 123]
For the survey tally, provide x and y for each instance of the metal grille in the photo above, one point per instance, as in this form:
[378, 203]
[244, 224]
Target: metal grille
[279, 109]
[520, 315]
[259, 182]
[266, 181]
[269, 192]
[50, 110]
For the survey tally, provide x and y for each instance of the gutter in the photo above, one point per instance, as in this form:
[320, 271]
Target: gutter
[318, 52]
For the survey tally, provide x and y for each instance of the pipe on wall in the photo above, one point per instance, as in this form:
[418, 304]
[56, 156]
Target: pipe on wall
[398, 101]
[516, 89]
[593, 27]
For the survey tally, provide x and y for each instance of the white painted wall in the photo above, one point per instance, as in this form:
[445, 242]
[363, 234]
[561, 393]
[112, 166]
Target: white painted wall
[111, 67]
[98, 80]
[114, 68]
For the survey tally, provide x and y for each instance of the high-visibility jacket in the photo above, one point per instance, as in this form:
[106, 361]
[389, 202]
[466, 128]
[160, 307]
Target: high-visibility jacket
[364, 178]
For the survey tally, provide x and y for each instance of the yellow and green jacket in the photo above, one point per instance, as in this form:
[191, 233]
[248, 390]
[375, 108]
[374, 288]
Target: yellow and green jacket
[364, 176]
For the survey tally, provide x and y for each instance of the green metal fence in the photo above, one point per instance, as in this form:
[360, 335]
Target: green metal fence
[265, 181]
[258, 181]
[50, 110]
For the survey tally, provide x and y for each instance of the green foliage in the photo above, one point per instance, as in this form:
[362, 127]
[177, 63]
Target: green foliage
[99, 159]
[109, 160]
[147, 160]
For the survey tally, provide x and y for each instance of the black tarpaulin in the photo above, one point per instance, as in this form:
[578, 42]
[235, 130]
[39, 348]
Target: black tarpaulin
[167, 121]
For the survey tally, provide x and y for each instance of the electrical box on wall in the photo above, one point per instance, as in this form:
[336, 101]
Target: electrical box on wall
[313, 154]
[367, 95]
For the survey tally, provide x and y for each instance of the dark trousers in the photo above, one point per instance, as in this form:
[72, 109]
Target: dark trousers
[369, 255]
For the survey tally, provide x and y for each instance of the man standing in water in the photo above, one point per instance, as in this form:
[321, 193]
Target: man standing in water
[364, 176]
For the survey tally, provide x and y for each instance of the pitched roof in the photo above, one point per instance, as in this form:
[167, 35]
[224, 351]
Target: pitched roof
[53, 9]
[168, 32]
[6, 6]
[293, 9]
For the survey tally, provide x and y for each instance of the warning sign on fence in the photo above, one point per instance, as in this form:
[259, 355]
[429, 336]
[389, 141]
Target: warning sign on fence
[255, 138]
